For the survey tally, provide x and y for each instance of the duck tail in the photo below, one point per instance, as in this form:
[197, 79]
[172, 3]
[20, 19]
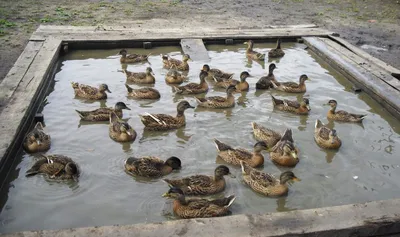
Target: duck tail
[128, 88]
[169, 182]
[254, 125]
[35, 169]
[231, 199]
[80, 113]
[74, 85]
[177, 90]
[287, 135]
[221, 146]
[245, 167]
[318, 123]
[199, 100]
[273, 100]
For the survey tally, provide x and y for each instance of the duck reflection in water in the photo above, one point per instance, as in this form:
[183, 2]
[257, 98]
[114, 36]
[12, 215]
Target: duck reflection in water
[157, 135]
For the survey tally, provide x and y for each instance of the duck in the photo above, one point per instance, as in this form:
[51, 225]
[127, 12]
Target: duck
[218, 102]
[164, 121]
[292, 87]
[265, 183]
[119, 130]
[198, 207]
[132, 58]
[265, 82]
[326, 137]
[193, 88]
[37, 140]
[145, 93]
[174, 77]
[151, 166]
[277, 52]
[55, 167]
[202, 184]
[284, 153]
[102, 114]
[140, 77]
[235, 155]
[302, 108]
[217, 73]
[172, 63]
[269, 136]
[241, 85]
[89, 92]
[253, 54]
[343, 116]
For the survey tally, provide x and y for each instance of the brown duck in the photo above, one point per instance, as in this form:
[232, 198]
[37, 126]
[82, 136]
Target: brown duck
[102, 114]
[193, 88]
[292, 87]
[150, 166]
[292, 106]
[132, 58]
[202, 184]
[89, 92]
[343, 116]
[165, 121]
[265, 82]
[277, 52]
[37, 140]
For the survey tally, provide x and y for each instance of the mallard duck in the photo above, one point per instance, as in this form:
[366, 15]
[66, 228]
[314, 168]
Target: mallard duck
[89, 92]
[202, 184]
[343, 116]
[241, 85]
[174, 77]
[251, 53]
[265, 82]
[143, 93]
[165, 121]
[102, 114]
[266, 135]
[37, 140]
[326, 137]
[198, 207]
[119, 130]
[284, 153]
[132, 58]
[57, 167]
[172, 63]
[293, 106]
[193, 88]
[151, 166]
[140, 77]
[265, 183]
[214, 72]
[219, 102]
[235, 155]
[277, 52]
[292, 87]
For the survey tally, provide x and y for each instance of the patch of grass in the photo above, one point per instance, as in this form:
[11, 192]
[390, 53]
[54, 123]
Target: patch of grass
[5, 23]
[47, 19]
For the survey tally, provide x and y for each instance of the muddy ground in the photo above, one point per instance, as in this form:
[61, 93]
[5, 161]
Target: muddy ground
[373, 25]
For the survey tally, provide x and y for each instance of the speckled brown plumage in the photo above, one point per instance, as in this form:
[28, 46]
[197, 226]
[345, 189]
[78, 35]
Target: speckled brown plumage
[193, 88]
[102, 114]
[171, 63]
[343, 116]
[144, 93]
[37, 140]
[132, 58]
[57, 167]
[325, 137]
[301, 108]
[251, 53]
[151, 166]
[89, 92]
[292, 87]
[277, 52]
[119, 130]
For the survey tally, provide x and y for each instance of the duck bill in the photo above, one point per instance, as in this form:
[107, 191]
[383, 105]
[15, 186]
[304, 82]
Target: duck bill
[192, 107]
[296, 179]
[231, 175]
[165, 195]
[108, 90]
[127, 108]
[293, 154]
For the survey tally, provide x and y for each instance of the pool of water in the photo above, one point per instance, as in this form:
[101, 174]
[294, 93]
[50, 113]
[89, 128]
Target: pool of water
[364, 169]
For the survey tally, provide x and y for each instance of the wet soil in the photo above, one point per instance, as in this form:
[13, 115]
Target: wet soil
[364, 23]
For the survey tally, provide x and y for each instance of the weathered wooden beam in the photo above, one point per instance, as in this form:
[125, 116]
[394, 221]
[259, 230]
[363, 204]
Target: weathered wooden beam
[195, 48]
[367, 219]
[346, 62]
[17, 116]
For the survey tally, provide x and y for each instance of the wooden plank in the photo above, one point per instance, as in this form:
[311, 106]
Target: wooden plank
[377, 218]
[365, 55]
[384, 94]
[176, 34]
[195, 48]
[364, 63]
[18, 71]
[16, 117]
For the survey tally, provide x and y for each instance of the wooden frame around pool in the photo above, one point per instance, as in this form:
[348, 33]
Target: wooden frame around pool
[23, 89]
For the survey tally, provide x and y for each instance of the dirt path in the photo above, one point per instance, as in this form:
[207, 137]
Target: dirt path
[370, 24]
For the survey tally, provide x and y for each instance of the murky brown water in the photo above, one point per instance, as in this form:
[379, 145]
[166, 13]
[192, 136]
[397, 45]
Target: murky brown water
[105, 195]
